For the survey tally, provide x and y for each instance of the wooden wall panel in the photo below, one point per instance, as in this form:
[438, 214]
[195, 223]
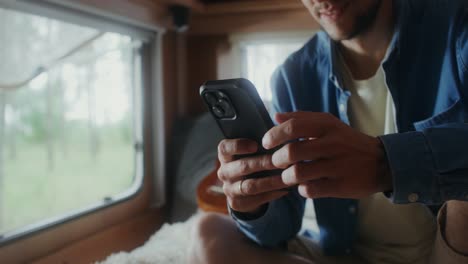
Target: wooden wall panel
[202, 65]
[170, 80]
[252, 16]
[270, 21]
[123, 237]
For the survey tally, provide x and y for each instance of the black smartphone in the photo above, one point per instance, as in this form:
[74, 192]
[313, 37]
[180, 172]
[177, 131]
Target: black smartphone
[239, 112]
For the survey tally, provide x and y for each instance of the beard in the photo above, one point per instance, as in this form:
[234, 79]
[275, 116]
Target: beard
[362, 22]
[365, 21]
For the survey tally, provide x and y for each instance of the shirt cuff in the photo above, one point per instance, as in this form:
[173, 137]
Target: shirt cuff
[413, 174]
[255, 228]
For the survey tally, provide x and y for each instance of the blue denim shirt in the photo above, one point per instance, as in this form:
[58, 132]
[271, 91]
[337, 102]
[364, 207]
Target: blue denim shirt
[426, 72]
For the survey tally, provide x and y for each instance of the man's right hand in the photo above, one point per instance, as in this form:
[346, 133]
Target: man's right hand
[247, 195]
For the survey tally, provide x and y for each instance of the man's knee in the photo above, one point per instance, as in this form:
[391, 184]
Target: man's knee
[210, 226]
[209, 236]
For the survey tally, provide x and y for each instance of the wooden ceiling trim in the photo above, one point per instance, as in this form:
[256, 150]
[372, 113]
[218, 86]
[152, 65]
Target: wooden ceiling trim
[249, 6]
[265, 21]
[193, 4]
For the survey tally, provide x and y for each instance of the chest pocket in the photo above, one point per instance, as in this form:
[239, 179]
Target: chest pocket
[457, 113]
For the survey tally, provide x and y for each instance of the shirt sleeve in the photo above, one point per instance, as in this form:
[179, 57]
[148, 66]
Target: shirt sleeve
[282, 219]
[462, 45]
[431, 166]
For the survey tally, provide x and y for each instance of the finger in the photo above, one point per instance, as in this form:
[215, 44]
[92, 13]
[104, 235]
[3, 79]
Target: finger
[321, 188]
[306, 171]
[305, 150]
[250, 187]
[282, 117]
[299, 125]
[250, 203]
[228, 148]
[238, 169]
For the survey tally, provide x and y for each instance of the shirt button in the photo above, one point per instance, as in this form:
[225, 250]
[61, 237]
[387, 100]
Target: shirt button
[352, 209]
[412, 198]
[348, 251]
[342, 108]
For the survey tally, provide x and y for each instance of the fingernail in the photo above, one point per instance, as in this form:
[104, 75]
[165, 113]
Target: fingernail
[285, 177]
[266, 141]
[274, 158]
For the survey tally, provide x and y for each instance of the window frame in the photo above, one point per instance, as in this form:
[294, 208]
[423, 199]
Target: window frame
[148, 139]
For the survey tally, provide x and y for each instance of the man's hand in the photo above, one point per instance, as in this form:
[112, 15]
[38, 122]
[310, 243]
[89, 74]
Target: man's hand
[327, 158]
[247, 195]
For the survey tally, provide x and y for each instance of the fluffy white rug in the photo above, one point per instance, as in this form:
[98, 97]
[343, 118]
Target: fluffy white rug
[170, 244]
[167, 246]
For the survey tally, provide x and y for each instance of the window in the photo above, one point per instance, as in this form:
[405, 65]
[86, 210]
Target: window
[258, 55]
[262, 59]
[70, 119]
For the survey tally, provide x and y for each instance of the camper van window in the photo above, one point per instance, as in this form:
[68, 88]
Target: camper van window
[70, 124]
[260, 61]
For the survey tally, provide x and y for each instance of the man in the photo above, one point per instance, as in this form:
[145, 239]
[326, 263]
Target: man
[372, 117]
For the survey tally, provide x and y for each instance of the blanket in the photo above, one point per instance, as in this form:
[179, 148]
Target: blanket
[169, 245]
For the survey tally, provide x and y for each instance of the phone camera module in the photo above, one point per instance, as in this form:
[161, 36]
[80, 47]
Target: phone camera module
[211, 99]
[219, 104]
[218, 111]
[227, 108]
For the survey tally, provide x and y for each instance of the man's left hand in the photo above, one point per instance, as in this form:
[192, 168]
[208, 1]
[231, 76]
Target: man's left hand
[327, 158]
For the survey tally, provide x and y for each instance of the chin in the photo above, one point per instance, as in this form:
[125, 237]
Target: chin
[338, 35]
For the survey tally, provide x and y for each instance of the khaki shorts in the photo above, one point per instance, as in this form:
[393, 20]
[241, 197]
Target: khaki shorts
[442, 253]
[309, 249]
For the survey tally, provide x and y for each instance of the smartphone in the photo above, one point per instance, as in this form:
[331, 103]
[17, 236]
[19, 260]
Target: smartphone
[239, 112]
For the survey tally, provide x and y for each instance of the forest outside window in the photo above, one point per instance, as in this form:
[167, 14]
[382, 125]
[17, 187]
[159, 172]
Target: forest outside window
[69, 118]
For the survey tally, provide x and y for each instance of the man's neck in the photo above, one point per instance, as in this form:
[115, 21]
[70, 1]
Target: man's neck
[364, 53]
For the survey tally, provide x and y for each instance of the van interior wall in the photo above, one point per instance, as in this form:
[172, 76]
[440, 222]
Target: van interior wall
[203, 52]
[207, 47]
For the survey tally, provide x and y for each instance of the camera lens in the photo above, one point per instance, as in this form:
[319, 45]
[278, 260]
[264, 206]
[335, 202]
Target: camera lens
[227, 108]
[220, 94]
[218, 111]
[211, 98]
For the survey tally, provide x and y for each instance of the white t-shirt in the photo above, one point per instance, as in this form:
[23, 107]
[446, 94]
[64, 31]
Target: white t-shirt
[387, 232]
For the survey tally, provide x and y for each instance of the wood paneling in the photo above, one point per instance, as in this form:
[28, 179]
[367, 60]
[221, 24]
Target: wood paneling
[248, 22]
[170, 80]
[252, 16]
[249, 6]
[123, 237]
[202, 65]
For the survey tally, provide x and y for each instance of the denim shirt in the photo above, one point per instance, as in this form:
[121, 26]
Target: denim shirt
[426, 71]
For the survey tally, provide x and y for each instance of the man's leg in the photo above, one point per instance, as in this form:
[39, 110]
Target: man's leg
[216, 239]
